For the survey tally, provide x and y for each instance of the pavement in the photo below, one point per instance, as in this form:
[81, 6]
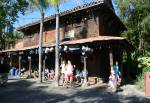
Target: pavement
[31, 91]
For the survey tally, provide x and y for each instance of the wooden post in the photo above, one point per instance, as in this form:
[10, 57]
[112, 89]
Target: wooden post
[44, 60]
[19, 65]
[85, 70]
[29, 58]
[10, 61]
[111, 58]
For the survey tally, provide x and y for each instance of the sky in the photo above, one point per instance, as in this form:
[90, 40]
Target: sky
[35, 15]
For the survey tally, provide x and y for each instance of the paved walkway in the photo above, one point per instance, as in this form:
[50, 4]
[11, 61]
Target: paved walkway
[30, 91]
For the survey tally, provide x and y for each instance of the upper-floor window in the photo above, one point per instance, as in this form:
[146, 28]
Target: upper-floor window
[70, 34]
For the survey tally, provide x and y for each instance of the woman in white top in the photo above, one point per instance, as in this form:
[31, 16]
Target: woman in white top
[69, 72]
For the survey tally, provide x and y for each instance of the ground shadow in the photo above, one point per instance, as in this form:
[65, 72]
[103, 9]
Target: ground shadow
[26, 91]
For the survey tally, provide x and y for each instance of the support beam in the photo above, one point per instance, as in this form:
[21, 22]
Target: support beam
[44, 60]
[85, 82]
[29, 59]
[85, 70]
[111, 58]
[20, 65]
[10, 61]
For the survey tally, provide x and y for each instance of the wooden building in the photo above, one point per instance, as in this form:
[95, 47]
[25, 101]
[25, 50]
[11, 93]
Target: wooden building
[93, 29]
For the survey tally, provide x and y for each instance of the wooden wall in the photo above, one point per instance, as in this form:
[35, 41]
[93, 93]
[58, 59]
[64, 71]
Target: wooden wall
[83, 24]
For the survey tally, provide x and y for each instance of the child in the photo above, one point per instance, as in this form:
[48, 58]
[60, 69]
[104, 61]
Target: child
[112, 81]
[63, 70]
[52, 74]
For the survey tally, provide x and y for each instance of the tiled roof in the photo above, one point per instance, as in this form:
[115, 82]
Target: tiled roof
[75, 9]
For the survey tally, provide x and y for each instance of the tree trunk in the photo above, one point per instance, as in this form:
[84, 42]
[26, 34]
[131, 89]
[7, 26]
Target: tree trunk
[40, 45]
[141, 43]
[57, 48]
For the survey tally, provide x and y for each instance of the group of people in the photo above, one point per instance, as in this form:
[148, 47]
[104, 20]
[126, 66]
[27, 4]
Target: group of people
[71, 72]
[114, 78]
[49, 74]
[68, 73]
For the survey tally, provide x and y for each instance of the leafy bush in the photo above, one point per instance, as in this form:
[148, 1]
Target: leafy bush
[146, 69]
[140, 82]
[145, 63]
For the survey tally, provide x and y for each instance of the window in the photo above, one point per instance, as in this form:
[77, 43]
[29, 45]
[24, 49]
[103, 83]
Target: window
[70, 34]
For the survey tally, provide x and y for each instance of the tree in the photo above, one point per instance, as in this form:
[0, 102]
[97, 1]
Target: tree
[145, 26]
[56, 4]
[133, 12]
[40, 5]
[9, 10]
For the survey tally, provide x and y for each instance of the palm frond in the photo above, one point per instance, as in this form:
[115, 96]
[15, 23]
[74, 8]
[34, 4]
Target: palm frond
[56, 2]
[38, 4]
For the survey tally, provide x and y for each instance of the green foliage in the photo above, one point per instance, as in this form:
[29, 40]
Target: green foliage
[140, 82]
[9, 10]
[135, 15]
[38, 4]
[145, 60]
[146, 69]
[144, 63]
[56, 2]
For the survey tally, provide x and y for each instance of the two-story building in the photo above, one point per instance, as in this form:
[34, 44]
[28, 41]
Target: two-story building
[91, 29]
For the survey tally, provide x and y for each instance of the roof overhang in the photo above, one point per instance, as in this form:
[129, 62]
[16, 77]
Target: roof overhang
[75, 42]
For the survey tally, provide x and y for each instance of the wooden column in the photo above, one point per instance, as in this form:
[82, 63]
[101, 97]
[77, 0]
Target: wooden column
[85, 70]
[44, 60]
[20, 65]
[121, 61]
[111, 58]
[29, 58]
[10, 61]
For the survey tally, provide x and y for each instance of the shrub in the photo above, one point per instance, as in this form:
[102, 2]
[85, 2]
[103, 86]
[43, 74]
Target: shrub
[140, 82]
[146, 69]
[144, 61]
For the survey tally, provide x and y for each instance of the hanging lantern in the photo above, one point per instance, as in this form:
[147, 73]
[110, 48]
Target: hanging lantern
[60, 47]
[65, 48]
[51, 49]
[83, 53]
[47, 50]
[29, 57]
[83, 48]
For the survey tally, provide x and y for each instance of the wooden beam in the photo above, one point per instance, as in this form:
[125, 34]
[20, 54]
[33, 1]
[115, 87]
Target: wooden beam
[85, 69]
[44, 60]
[29, 58]
[20, 65]
[111, 58]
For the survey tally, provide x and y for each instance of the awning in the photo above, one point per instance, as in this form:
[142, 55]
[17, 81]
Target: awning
[93, 39]
[71, 42]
